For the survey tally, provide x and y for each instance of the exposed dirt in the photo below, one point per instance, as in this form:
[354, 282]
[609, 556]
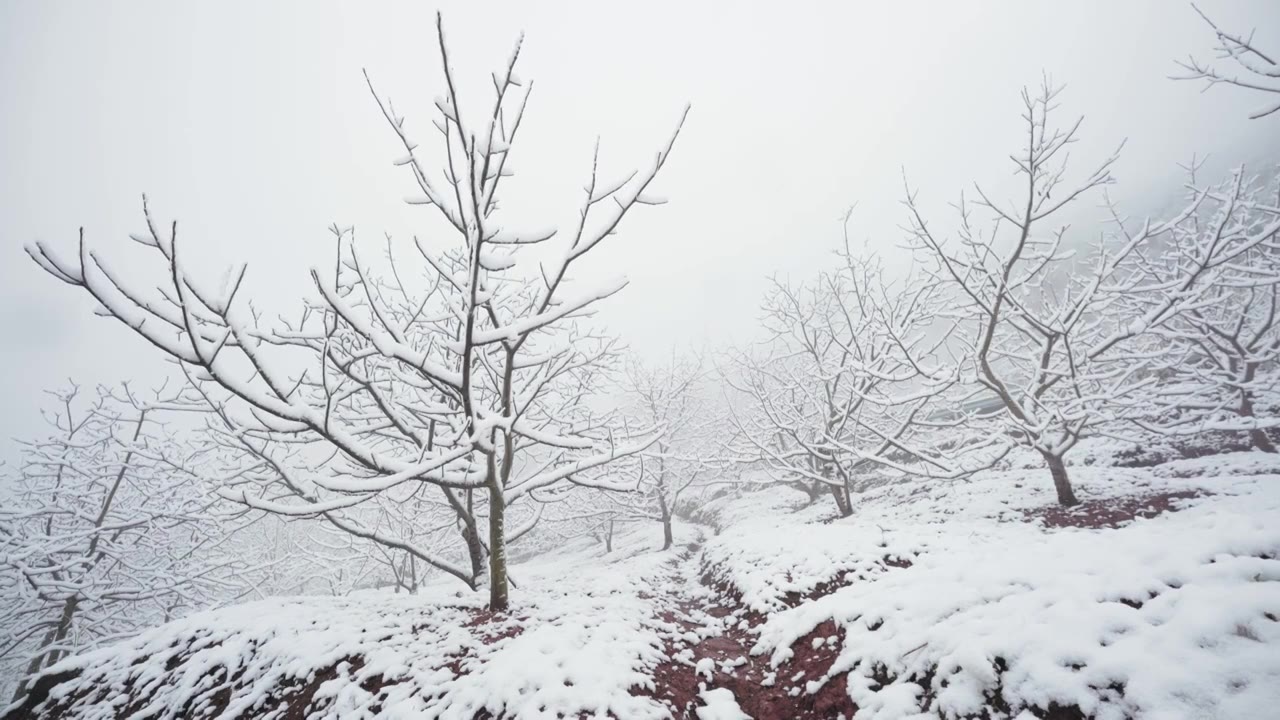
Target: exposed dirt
[38, 694]
[1110, 512]
[710, 643]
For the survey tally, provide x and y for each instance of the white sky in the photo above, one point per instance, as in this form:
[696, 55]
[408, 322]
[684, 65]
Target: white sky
[251, 125]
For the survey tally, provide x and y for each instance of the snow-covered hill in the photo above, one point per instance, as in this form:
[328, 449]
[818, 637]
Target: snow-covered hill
[941, 600]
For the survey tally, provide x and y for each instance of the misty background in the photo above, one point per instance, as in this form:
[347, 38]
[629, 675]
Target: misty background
[252, 126]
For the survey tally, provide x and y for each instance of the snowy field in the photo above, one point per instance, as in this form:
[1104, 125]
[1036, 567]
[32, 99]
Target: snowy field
[940, 600]
[810, 404]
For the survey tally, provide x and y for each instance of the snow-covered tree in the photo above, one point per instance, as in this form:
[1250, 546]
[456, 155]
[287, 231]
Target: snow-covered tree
[1219, 360]
[672, 396]
[849, 382]
[472, 387]
[102, 533]
[1221, 356]
[571, 513]
[299, 556]
[1048, 327]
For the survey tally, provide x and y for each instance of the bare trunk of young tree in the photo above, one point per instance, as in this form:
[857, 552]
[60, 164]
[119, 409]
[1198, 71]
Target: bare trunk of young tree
[1261, 441]
[1061, 482]
[475, 550]
[471, 537]
[608, 538]
[497, 547]
[665, 511]
[842, 500]
[1257, 436]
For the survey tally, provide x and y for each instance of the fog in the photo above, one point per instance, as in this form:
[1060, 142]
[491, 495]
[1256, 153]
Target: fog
[251, 125]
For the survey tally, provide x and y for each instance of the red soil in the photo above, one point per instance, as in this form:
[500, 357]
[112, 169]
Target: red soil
[1110, 512]
[785, 694]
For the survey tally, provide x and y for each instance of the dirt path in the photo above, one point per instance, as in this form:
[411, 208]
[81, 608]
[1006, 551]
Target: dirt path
[708, 637]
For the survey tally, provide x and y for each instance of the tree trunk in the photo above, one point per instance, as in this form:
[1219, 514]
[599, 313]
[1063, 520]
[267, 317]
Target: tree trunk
[666, 521]
[812, 491]
[33, 667]
[608, 538]
[1256, 436]
[470, 534]
[842, 500]
[497, 548]
[1261, 441]
[475, 550]
[45, 657]
[1061, 483]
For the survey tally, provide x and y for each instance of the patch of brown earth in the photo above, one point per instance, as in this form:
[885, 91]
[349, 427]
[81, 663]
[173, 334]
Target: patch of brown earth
[720, 657]
[1110, 512]
[762, 691]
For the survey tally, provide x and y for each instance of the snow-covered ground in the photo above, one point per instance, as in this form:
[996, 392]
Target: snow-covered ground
[941, 600]
[582, 634]
[1170, 617]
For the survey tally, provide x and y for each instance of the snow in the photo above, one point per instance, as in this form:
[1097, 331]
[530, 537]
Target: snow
[1178, 611]
[943, 599]
[574, 643]
[765, 566]
[719, 704]
[1204, 616]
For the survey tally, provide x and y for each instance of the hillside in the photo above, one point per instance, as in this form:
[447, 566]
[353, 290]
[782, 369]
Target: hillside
[1158, 597]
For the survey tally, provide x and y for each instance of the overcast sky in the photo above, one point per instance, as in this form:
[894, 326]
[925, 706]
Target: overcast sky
[250, 124]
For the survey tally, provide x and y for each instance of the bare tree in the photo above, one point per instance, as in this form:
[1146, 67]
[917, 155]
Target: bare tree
[673, 397]
[1238, 61]
[472, 385]
[1218, 360]
[292, 556]
[101, 536]
[849, 382]
[1049, 329]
